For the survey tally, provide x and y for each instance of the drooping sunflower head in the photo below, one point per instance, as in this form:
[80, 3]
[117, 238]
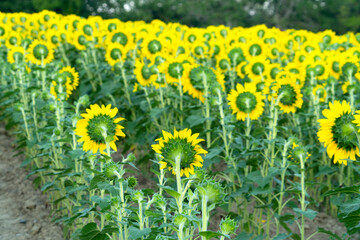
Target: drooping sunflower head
[61, 87]
[319, 93]
[40, 52]
[236, 56]
[143, 73]
[256, 68]
[16, 54]
[115, 52]
[287, 93]
[338, 132]
[122, 37]
[173, 68]
[152, 44]
[98, 128]
[13, 39]
[197, 76]
[4, 30]
[245, 101]
[80, 40]
[53, 37]
[72, 77]
[180, 146]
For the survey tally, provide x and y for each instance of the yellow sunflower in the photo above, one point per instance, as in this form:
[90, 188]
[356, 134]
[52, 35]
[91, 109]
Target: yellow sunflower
[16, 54]
[338, 132]
[319, 93]
[40, 53]
[72, 75]
[143, 73]
[193, 80]
[183, 146]
[173, 68]
[246, 101]
[13, 39]
[256, 67]
[115, 52]
[98, 128]
[287, 93]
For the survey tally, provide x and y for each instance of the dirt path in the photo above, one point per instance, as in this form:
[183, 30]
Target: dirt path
[24, 211]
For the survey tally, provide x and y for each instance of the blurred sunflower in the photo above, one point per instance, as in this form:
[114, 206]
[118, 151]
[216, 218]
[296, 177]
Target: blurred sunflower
[16, 54]
[143, 73]
[287, 93]
[40, 52]
[246, 101]
[72, 77]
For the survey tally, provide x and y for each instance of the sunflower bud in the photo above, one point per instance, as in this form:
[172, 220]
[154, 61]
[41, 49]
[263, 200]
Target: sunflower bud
[111, 170]
[160, 202]
[228, 226]
[130, 158]
[132, 182]
[211, 190]
[179, 220]
[138, 196]
[84, 100]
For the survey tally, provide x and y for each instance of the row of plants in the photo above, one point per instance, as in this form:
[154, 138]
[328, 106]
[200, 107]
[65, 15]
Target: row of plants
[238, 133]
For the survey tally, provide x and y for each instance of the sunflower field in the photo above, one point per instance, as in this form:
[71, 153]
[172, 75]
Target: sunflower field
[141, 130]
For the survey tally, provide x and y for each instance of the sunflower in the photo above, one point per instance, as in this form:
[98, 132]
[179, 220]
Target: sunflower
[121, 37]
[152, 44]
[72, 75]
[246, 101]
[338, 132]
[40, 53]
[143, 73]
[193, 80]
[4, 30]
[13, 39]
[80, 40]
[319, 93]
[256, 67]
[98, 128]
[173, 68]
[60, 88]
[182, 146]
[287, 93]
[115, 52]
[16, 54]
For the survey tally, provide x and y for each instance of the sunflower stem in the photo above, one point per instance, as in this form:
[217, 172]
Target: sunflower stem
[204, 214]
[284, 166]
[303, 193]
[207, 111]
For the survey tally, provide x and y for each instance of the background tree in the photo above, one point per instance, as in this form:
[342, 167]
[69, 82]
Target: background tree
[315, 15]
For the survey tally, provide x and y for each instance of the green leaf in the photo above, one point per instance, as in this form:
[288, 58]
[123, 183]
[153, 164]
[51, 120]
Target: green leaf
[135, 233]
[210, 234]
[282, 236]
[354, 189]
[309, 213]
[97, 179]
[170, 191]
[325, 170]
[194, 120]
[322, 230]
[76, 153]
[46, 186]
[350, 206]
[256, 177]
[91, 232]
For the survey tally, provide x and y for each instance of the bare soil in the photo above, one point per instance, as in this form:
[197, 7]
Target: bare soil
[24, 211]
